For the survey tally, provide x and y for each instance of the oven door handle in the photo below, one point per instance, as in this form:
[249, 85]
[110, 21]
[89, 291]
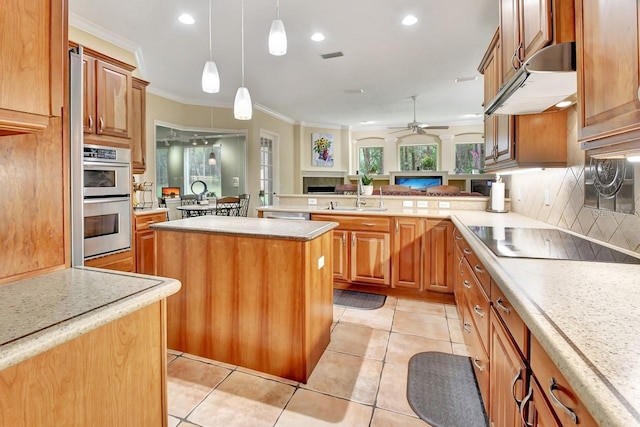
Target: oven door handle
[107, 199]
[105, 164]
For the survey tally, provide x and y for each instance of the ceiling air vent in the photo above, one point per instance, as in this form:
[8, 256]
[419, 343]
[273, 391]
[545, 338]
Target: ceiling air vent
[332, 55]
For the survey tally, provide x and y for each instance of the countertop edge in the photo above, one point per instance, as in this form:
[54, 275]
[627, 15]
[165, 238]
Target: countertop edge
[20, 350]
[601, 403]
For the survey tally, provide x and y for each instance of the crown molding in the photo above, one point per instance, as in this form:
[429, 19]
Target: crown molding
[274, 113]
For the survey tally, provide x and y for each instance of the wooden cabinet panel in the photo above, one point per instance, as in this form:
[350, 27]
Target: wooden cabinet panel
[340, 255]
[113, 100]
[370, 257]
[536, 411]
[438, 241]
[608, 44]
[479, 357]
[477, 303]
[509, 39]
[122, 261]
[514, 323]
[88, 87]
[407, 251]
[145, 242]
[138, 126]
[508, 375]
[535, 26]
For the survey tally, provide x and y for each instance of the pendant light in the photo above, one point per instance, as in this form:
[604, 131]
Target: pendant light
[277, 35]
[212, 158]
[210, 76]
[242, 109]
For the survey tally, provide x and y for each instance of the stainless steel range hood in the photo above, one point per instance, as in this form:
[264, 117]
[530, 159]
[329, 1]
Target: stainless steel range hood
[546, 79]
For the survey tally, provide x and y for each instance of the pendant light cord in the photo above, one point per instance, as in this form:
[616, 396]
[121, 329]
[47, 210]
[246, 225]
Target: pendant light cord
[210, 49]
[277, 9]
[242, 39]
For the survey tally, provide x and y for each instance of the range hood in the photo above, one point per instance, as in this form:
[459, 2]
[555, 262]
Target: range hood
[547, 78]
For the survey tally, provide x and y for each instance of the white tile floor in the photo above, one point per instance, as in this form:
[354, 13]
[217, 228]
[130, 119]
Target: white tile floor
[361, 379]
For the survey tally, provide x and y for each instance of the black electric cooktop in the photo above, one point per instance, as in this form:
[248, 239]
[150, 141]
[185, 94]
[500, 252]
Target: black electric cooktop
[546, 243]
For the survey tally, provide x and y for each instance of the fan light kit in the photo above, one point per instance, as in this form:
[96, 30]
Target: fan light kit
[416, 127]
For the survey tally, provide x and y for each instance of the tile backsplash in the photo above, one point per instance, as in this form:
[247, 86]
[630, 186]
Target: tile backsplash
[566, 197]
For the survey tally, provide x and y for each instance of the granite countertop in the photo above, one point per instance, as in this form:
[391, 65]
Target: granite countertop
[149, 211]
[417, 212]
[584, 314]
[45, 311]
[249, 227]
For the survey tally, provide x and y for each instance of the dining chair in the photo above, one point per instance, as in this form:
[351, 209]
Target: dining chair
[443, 190]
[346, 189]
[244, 204]
[395, 190]
[227, 206]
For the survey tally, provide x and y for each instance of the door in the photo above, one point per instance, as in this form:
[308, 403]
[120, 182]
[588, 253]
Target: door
[370, 257]
[268, 158]
[113, 100]
[145, 252]
[535, 408]
[340, 255]
[407, 247]
[438, 262]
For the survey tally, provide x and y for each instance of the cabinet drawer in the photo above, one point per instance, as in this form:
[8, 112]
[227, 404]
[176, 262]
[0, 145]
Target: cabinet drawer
[477, 303]
[358, 223]
[557, 390]
[144, 221]
[515, 325]
[479, 357]
[478, 269]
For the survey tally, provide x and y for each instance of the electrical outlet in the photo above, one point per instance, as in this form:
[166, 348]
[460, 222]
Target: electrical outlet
[236, 181]
[444, 205]
[407, 203]
[423, 204]
[320, 262]
[547, 198]
[312, 201]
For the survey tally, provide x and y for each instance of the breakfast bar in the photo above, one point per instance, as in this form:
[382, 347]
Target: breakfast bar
[257, 293]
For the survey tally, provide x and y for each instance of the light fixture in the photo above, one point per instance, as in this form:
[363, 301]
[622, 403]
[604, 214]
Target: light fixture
[186, 19]
[317, 37]
[212, 159]
[563, 104]
[277, 35]
[242, 109]
[409, 20]
[633, 159]
[210, 76]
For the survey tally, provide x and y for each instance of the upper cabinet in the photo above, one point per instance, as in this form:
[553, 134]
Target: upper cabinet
[138, 129]
[608, 76]
[31, 64]
[108, 100]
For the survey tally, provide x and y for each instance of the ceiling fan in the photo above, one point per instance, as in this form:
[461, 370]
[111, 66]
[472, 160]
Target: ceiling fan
[416, 127]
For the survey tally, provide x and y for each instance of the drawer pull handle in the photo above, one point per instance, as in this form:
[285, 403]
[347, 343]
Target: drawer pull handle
[467, 327]
[466, 251]
[101, 124]
[344, 240]
[397, 225]
[502, 307]
[466, 284]
[477, 365]
[514, 381]
[90, 122]
[460, 237]
[368, 224]
[523, 407]
[553, 386]
[460, 266]
[478, 269]
[477, 310]
[353, 240]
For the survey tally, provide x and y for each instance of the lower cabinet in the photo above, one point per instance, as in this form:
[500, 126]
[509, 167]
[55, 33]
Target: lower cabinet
[438, 255]
[407, 253]
[145, 242]
[122, 261]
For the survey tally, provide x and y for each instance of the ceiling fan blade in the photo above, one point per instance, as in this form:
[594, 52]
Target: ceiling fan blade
[434, 127]
[420, 131]
[397, 127]
[401, 130]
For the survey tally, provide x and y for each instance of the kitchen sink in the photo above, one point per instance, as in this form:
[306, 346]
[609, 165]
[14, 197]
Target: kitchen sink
[360, 209]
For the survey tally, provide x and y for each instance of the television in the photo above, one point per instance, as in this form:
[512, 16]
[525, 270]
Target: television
[418, 181]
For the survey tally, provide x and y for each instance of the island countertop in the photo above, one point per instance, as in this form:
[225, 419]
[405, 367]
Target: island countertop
[45, 311]
[249, 227]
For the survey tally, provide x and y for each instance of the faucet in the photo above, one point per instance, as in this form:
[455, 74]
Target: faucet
[359, 201]
[381, 203]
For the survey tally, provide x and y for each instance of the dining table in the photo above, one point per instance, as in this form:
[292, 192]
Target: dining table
[226, 206]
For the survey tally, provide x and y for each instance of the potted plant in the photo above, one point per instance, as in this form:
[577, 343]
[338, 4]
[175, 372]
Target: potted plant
[367, 184]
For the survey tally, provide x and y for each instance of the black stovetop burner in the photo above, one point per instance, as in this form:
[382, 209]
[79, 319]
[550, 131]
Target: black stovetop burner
[547, 243]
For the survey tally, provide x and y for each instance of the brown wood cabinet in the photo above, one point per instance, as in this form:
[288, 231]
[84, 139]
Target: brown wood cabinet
[121, 261]
[145, 241]
[407, 253]
[536, 411]
[341, 255]
[32, 58]
[114, 375]
[608, 51]
[438, 255]
[138, 126]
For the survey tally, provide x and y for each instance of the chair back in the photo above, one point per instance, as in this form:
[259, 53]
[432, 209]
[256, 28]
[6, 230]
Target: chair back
[396, 190]
[347, 189]
[443, 190]
[189, 199]
[244, 204]
[227, 206]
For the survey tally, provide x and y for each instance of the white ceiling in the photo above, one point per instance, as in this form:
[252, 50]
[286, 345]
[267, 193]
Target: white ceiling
[389, 61]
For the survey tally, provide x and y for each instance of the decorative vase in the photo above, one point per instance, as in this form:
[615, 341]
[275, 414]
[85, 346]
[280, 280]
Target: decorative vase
[475, 171]
[367, 190]
[325, 154]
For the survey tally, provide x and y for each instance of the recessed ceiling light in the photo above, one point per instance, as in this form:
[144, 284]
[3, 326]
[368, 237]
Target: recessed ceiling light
[633, 159]
[187, 19]
[317, 37]
[563, 104]
[367, 122]
[409, 20]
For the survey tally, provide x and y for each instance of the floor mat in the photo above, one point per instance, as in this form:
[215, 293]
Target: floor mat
[443, 391]
[361, 300]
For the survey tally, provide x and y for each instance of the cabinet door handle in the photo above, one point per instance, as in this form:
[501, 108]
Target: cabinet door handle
[523, 407]
[501, 306]
[397, 227]
[467, 327]
[478, 269]
[466, 251]
[344, 240]
[514, 381]
[101, 124]
[460, 237]
[477, 365]
[460, 266]
[477, 310]
[90, 122]
[466, 284]
[553, 386]
[144, 160]
[353, 240]
[368, 224]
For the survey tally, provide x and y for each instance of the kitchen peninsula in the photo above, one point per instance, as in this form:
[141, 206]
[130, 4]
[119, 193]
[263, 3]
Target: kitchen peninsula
[257, 293]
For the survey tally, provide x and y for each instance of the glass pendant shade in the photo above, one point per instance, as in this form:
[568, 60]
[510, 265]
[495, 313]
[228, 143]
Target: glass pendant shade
[277, 38]
[212, 159]
[242, 109]
[210, 78]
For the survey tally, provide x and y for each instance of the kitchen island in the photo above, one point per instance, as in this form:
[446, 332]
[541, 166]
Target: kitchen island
[84, 346]
[257, 293]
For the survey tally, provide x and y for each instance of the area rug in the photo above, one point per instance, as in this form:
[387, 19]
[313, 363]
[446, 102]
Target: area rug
[361, 300]
[443, 391]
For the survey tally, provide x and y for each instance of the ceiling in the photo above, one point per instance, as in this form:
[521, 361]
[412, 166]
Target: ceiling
[390, 62]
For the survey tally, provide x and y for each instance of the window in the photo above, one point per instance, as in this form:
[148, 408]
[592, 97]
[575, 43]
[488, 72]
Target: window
[162, 171]
[266, 170]
[469, 157]
[418, 157]
[370, 160]
[197, 168]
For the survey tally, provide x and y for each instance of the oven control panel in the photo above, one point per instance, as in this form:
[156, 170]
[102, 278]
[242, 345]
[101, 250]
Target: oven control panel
[105, 154]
